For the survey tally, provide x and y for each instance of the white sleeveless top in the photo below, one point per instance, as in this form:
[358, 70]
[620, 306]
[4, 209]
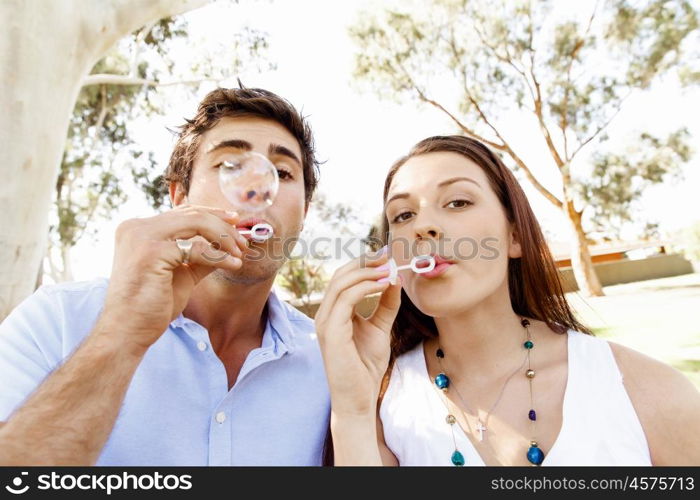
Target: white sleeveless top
[599, 424]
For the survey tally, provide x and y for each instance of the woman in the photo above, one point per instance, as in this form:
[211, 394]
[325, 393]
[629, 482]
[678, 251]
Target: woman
[481, 361]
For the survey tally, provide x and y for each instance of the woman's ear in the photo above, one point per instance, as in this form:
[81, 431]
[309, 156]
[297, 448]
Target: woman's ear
[514, 249]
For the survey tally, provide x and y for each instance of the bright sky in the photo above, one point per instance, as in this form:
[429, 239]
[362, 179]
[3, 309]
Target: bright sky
[360, 136]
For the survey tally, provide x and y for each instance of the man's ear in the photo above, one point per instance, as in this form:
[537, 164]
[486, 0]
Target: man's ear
[177, 194]
[514, 249]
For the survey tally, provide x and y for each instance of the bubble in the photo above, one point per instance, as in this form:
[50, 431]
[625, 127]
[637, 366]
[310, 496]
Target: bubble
[248, 180]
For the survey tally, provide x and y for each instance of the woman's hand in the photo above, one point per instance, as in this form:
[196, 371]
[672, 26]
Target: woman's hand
[356, 350]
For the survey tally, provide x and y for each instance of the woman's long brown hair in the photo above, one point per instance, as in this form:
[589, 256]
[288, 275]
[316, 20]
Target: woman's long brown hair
[533, 280]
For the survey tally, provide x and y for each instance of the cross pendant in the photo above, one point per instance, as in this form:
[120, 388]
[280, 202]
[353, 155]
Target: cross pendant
[480, 427]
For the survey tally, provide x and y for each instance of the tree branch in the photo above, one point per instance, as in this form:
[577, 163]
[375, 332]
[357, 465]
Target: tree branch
[503, 146]
[143, 32]
[508, 59]
[602, 127]
[423, 97]
[109, 79]
[506, 148]
[104, 24]
[567, 90]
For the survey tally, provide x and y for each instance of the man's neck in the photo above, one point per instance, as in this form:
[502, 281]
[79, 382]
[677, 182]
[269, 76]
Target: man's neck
[232, 313]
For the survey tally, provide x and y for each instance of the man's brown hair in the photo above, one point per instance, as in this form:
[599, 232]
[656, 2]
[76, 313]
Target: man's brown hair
[260, 103]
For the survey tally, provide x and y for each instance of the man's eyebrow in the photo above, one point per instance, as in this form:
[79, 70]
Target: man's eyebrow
[272, 150]
[278, 150]
[232, 143]
[441, 184]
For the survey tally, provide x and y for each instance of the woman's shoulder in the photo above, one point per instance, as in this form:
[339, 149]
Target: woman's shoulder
[666, 402]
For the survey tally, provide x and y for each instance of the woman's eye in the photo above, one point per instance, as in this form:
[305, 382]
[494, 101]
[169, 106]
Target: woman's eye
[403, 216]
[459, 203]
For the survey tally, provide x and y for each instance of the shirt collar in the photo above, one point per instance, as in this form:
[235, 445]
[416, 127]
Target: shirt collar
[278, 334]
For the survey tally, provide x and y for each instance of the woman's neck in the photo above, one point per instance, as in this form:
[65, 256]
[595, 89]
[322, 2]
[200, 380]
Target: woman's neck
[483, 341]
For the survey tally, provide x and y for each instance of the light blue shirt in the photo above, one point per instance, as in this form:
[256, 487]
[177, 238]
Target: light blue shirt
[178, 409]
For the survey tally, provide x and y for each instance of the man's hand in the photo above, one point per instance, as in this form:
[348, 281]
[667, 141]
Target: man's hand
[149, 285]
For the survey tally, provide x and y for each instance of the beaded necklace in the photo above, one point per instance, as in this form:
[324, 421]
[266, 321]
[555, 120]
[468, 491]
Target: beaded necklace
[534, 454]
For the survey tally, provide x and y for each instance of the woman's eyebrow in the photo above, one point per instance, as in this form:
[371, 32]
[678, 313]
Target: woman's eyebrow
[456, 179]
[396, 197]
[441, 184]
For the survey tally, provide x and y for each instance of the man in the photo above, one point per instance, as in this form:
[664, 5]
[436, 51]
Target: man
[184, 356]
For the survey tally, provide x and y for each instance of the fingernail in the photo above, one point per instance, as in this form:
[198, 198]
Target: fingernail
[231, 213]
[384, 267]
[383, 250]
[236, 260]
[383, 280]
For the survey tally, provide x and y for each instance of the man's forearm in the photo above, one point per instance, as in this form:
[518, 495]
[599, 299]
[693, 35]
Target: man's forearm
[69, 418]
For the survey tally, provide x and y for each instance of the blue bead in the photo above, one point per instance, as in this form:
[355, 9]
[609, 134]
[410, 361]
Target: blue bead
[442, 381]
[535, 455]
[532, 415]
[458, 459]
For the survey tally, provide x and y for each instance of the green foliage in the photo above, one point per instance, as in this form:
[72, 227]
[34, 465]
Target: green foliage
[618, 179]
[102, 161]
[100, 152]
[478, 61]
[305, 275]
[302, 277]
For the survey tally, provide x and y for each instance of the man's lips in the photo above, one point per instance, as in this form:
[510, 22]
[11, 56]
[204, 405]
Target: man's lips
[247, 225]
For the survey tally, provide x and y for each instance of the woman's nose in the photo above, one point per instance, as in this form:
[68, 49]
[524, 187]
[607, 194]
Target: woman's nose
[428, 230]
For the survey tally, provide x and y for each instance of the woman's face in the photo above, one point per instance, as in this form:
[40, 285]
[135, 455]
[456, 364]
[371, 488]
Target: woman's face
[442, 204]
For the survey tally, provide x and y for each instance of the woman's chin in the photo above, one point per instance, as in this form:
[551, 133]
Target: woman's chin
[441, 306]
[444, 300]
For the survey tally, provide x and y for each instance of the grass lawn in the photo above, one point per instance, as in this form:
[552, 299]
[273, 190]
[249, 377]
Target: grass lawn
[660, 318]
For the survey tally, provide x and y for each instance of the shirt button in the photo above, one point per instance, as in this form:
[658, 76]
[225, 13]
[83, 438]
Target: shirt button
[221, 417]
[202, 346]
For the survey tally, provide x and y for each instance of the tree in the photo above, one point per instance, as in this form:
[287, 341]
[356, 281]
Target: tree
[303, 277]
[46, 51]
[570, 74]
[142, 76]
[618, 180]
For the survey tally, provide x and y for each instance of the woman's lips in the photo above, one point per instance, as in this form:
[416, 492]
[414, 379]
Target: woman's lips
[437, 271]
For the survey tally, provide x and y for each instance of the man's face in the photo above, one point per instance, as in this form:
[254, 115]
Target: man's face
[285, 215]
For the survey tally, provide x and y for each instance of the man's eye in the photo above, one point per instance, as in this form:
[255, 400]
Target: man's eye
[231, 165]
[459, 203]
[283, 174]
[403, 216]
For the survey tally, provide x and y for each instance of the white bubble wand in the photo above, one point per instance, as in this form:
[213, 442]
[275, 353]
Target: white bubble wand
[413, 266]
